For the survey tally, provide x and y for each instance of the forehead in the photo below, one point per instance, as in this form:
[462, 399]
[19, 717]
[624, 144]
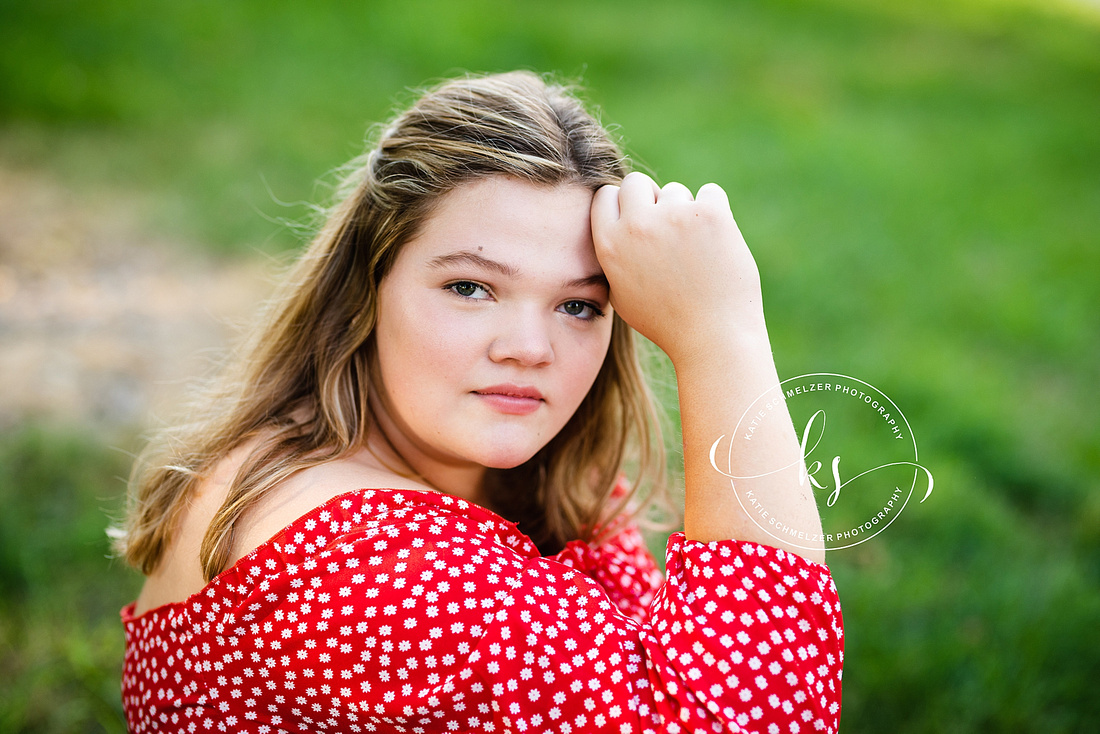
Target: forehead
[520, 223]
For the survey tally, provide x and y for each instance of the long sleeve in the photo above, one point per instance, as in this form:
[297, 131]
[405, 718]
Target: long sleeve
[391, 611]
[763, 645]
[622, 565]
[742, 637]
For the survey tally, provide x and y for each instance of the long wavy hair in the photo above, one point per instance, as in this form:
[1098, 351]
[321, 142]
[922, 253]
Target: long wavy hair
[297, 390]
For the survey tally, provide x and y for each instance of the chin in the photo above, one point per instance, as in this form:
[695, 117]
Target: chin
[502, 455]
[506, 460]
[507, 448]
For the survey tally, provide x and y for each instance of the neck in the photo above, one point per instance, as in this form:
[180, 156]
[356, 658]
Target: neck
[393, 451]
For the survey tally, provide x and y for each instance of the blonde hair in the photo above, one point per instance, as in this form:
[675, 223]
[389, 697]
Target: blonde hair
[298, 389]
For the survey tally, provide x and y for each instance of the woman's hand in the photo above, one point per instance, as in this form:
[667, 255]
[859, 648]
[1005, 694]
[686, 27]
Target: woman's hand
[681, 274]
[679, 269]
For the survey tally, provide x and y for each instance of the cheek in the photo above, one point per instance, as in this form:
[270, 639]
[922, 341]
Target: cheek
[584, 361]
[419, 343]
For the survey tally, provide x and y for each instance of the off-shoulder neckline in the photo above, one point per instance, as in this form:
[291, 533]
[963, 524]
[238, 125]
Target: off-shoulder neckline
[425, 496]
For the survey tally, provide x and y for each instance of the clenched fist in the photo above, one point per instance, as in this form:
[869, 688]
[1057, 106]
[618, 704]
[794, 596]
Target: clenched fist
[680, 271]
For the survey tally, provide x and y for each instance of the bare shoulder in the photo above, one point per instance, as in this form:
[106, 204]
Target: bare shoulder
[179, 575]
[306, 490]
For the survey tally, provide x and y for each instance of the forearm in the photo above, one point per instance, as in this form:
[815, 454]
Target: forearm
[682, 275]
[718, 381]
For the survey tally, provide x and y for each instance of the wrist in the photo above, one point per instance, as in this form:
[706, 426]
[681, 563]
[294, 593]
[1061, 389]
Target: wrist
[724, 344]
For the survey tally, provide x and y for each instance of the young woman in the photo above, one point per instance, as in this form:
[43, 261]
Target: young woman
[407, 507]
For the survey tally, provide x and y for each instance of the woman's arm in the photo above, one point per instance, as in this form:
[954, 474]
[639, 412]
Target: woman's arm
[682, 275]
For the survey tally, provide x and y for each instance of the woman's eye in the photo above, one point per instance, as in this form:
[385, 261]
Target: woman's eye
[581, 309]
[468, 289]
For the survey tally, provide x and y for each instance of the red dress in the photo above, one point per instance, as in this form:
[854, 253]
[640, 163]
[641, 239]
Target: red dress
[409, 611]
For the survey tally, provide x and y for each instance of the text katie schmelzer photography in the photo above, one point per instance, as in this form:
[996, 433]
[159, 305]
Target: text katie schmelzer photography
[858, 452]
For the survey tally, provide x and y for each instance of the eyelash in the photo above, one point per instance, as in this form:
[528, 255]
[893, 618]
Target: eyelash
[597, 312]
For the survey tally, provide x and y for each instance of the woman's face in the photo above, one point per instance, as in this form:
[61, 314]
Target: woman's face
[492, 326]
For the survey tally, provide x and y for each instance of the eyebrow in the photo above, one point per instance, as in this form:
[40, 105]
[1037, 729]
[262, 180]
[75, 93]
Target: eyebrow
[465, 257]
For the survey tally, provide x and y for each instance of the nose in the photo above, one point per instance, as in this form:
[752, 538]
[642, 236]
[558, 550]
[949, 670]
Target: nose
[523, 338]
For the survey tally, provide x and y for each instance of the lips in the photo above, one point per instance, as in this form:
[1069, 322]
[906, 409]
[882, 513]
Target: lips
[511, 399]
[512, 391]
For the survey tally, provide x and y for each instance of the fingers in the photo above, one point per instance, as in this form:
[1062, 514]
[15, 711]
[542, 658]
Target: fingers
[637, 192]
[605, 208]
[675, 192]
[713, 193]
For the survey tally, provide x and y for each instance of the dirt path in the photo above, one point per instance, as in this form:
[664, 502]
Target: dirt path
[101, 323]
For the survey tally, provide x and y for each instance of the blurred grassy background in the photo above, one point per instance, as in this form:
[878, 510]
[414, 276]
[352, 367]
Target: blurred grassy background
[920, 183]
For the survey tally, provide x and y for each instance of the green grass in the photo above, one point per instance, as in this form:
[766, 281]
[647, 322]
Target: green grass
[60, 634]
[919, 181]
